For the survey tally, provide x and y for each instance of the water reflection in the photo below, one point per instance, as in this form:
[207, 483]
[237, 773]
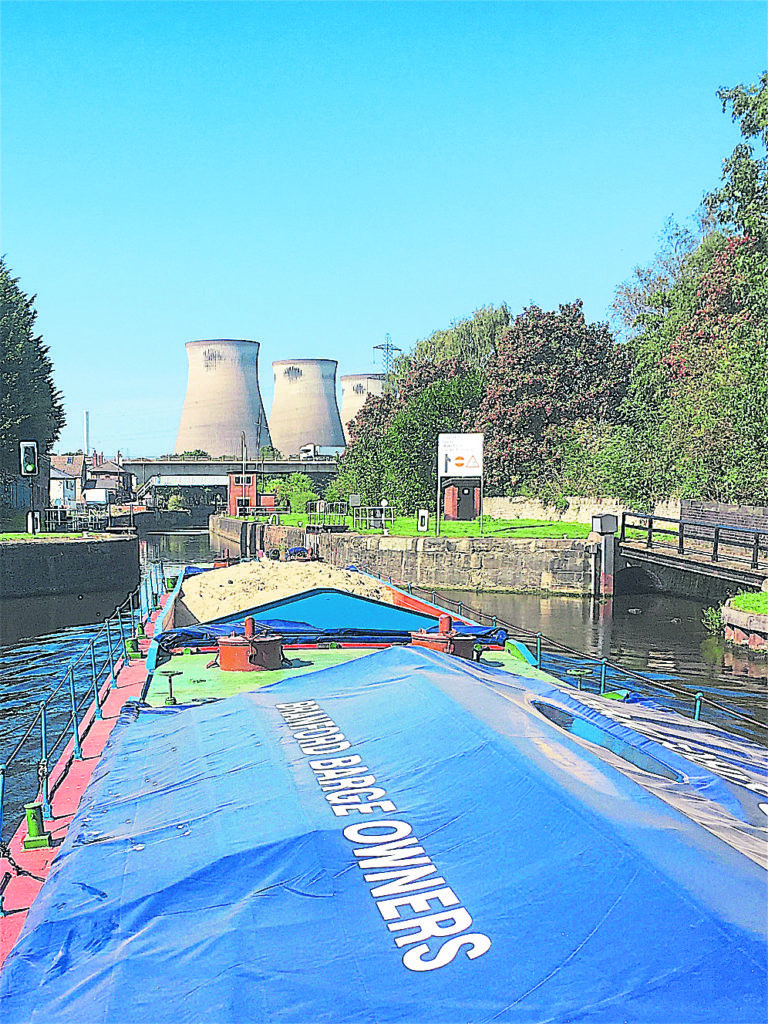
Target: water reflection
[22, 617]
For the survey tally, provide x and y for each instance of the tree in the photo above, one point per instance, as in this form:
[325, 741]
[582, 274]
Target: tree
[742, 201]
[30, 406]
[392, 451]
[443, 406]
[637, 296]
[472, 340]
[177, 502]
[696, 412]
[552, 369]
[295, 489]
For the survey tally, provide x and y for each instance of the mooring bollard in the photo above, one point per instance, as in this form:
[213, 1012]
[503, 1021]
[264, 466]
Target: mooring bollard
[36, 838]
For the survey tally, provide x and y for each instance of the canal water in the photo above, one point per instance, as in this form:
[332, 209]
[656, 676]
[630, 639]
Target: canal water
[651, 634]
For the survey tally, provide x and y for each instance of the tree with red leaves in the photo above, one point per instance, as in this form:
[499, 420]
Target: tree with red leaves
[552, 369]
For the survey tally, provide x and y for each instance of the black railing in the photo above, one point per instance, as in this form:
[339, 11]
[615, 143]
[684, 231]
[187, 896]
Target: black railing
[716, 541]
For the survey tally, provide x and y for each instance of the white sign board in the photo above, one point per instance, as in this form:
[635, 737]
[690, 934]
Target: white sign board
[459, 455]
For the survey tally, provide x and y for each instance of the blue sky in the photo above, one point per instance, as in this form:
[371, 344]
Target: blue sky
[315, 175]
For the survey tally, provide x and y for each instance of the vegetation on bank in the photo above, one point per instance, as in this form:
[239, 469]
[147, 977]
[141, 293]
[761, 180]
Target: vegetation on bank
[672, 403]
[753, 603]
[757, 604]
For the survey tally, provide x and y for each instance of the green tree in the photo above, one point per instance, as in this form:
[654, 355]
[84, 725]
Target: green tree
[177, 502]
[30, 406]
[444, 406]
[392, 452]
[742, 201]
[472, 340]
[637, 295]
[295, 489]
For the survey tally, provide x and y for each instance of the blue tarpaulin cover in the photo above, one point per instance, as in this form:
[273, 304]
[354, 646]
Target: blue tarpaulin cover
[405, 837]
[294, 632]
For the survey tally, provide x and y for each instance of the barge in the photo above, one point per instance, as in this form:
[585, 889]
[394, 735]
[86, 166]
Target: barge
[402, 819]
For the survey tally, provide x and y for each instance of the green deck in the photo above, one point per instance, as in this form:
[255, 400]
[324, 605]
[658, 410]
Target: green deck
[199, 682]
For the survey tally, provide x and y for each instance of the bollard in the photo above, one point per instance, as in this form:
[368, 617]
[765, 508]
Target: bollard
[36, 838]
[76, 738]
[603, 666]
[47, 813]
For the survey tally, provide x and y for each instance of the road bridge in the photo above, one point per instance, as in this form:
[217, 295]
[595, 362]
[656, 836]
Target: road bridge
[691, 557]
[175, 471]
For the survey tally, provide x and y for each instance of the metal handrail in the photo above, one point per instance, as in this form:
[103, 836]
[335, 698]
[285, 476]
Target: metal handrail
[719, 536]
[602, 663]
[136, 608]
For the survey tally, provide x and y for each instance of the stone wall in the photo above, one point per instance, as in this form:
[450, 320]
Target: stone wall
[231, 534]
[580, 509]
[466, 563]
[37, 568]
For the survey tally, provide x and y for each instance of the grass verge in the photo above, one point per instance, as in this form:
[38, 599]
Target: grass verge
[754, 603]
[405, 526]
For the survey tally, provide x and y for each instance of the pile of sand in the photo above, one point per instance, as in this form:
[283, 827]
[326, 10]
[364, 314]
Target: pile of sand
[239, 587]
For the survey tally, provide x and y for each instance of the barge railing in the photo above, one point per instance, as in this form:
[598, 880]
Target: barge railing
[605, 675]
[75, 700]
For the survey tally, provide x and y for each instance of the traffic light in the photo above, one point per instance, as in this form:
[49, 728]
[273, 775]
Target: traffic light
[28, 458]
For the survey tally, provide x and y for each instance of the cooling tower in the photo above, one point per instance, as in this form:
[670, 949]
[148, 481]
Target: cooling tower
[304, 409]
[223, 399]
[355, 388]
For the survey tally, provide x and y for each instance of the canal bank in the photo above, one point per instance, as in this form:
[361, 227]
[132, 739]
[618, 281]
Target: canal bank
[509, 564]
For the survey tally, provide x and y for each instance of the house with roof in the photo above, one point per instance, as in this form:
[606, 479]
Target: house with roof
[107, 477]
[62, 489]
[74, 465]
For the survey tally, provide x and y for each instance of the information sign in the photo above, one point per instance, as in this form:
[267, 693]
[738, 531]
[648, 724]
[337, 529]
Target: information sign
[460, 455]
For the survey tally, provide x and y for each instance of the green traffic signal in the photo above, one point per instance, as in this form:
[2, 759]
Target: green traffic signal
[29, 464]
